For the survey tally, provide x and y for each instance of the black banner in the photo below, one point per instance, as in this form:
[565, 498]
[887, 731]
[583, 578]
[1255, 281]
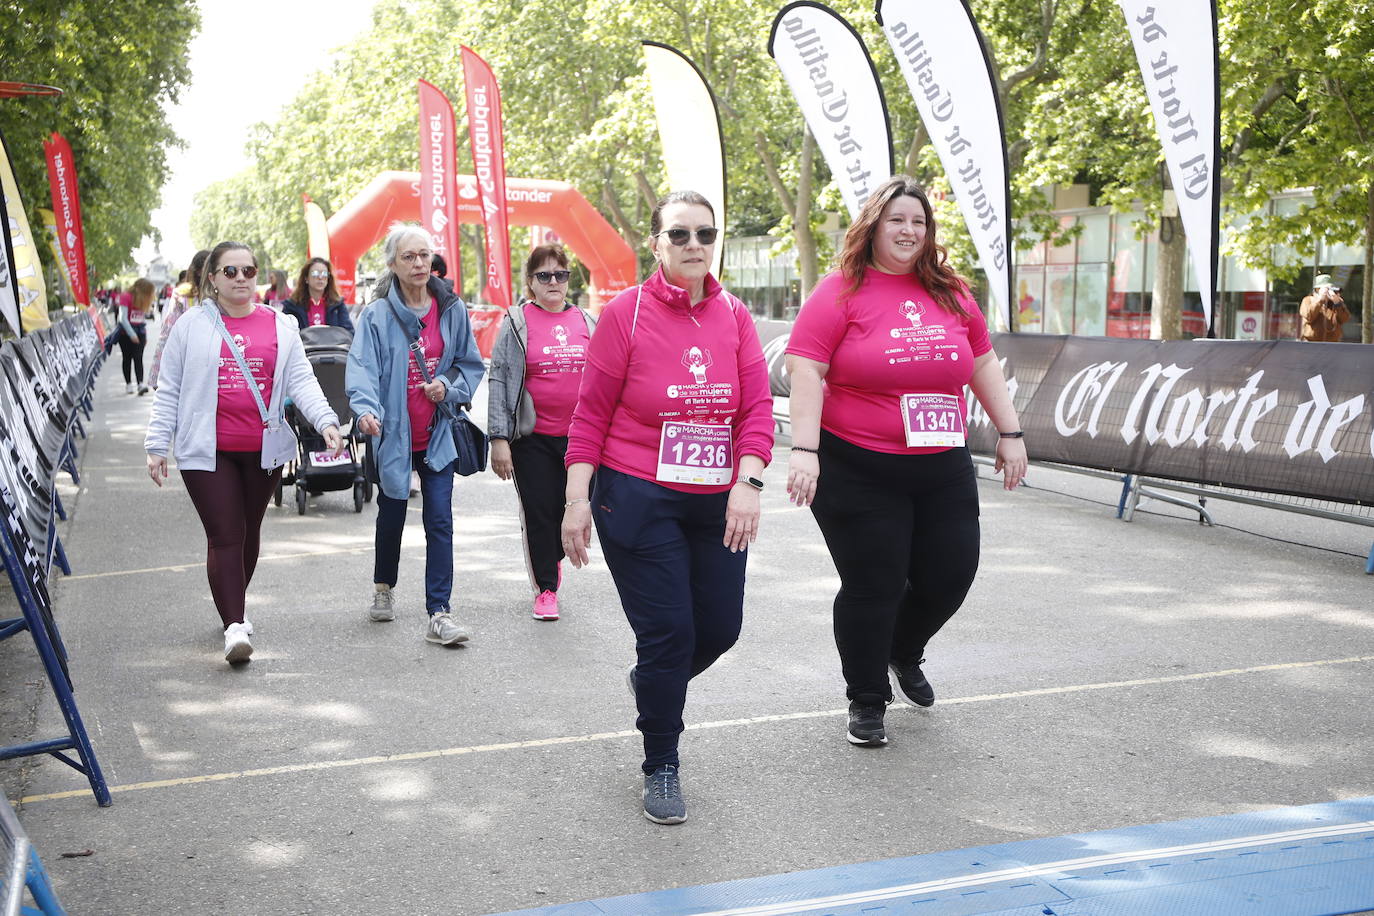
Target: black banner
[1278, 416]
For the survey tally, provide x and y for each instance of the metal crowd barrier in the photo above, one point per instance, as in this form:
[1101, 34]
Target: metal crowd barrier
[46, 380]
[21, 869]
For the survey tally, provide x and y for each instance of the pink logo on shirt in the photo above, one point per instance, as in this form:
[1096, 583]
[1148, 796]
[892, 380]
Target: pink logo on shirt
[697, 360]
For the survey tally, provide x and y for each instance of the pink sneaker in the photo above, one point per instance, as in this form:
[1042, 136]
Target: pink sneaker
[546, 606]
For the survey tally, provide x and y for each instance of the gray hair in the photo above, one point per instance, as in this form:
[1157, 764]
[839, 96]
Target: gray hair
[398, 233]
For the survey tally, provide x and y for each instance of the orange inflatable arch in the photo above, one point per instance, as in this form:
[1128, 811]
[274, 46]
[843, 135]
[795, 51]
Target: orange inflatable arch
[392, 196]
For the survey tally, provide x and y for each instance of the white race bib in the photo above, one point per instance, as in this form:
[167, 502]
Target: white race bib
[697, 453]
[933, 420]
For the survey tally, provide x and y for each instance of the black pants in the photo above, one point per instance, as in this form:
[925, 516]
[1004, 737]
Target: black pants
[540, 482]
[681, 588]
[132, 352]
[903, 532]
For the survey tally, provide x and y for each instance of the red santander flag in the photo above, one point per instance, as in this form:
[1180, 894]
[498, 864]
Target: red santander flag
[489, 161]
[66, 206]
[438, 176]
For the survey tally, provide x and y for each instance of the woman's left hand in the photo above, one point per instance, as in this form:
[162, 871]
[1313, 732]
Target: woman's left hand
[1011, 461]
[333, 440]
[435, 391]
[741, 517]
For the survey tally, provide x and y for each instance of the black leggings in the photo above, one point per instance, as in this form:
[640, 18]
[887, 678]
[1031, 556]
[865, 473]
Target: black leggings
[132, 352]
[540, 479]
[231, 501]
[903, 532]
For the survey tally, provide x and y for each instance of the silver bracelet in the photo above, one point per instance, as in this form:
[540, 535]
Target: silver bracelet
[572, 502]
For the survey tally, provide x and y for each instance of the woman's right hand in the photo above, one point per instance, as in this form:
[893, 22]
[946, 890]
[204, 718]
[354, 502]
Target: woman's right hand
[803, 472]
[577, 533]
[500, 459]
[157, 468]
[368, 425]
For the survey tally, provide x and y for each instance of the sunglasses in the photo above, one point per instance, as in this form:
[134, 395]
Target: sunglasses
[706, 235]
[320, 274]
[552, 276]
[231, 272]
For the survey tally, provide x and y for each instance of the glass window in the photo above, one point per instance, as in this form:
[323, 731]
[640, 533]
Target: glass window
[1030, 297]
[1090, 299]
[1095, 242]
[1059, 281]
[1062, 254]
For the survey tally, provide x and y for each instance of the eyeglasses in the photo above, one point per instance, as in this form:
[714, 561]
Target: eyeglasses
[706, 235]
[410, 257]
[230, 272]
[320, 274]
[552, 276]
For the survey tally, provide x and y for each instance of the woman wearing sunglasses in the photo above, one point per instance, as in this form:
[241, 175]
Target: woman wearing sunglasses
[672, 430]
[536, 369]
[207, 414]
[317, 300]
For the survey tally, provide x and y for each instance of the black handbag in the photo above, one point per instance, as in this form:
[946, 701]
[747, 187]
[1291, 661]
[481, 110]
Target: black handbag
[470, 442]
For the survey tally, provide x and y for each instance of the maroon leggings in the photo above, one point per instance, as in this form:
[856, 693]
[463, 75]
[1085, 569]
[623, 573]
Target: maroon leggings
[231, 501]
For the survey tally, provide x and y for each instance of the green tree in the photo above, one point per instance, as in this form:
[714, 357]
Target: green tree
[119, 65]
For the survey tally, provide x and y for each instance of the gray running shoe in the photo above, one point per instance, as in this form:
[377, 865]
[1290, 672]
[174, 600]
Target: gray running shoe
[630, 681]
[382, 601]
[663, 802]
[445, 631]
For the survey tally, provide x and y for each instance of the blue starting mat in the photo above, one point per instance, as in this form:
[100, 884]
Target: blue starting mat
[1314, 859]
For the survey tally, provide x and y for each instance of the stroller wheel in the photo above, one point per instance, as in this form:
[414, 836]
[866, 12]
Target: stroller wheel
[357, 497]
[300, 499]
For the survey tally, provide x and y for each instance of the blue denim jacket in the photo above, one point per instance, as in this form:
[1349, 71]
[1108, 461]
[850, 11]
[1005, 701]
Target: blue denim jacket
[379, 365]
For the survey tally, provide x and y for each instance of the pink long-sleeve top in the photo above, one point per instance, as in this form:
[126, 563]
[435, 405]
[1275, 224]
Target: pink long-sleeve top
[656, 358]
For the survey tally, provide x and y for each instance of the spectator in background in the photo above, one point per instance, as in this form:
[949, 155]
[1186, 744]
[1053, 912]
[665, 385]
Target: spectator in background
[439, 268]
[317, 300]
[1323, 313]
[277, 291]
[135, 307]
[186, 293]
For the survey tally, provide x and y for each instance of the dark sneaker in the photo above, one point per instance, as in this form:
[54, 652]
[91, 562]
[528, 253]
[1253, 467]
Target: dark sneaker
[663, 802]
[911, 683]
[630, 681]
[866, 724]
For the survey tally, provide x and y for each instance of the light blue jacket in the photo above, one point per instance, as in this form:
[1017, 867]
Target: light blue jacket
[187, 400]
[379, 365]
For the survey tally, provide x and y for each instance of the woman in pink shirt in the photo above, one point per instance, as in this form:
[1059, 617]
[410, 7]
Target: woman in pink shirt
[536, 369]
[672, 430]
[878, 360]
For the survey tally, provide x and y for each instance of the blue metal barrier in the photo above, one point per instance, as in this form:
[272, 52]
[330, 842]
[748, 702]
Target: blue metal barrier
[20, 870]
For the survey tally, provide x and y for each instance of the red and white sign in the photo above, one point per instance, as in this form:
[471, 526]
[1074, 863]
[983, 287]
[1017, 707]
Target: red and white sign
[438, 177]
[488, 142]
[66, 206]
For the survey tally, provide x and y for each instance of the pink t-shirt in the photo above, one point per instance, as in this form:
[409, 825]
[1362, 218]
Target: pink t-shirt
[674, 362]
[420, 407]
[887, 340]
[238, 425]
[314, 314]
[555, 352]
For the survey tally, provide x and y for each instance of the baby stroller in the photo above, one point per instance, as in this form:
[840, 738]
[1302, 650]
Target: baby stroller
[315, 470]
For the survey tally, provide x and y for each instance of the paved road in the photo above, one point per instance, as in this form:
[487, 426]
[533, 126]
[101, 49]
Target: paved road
[1101, 675]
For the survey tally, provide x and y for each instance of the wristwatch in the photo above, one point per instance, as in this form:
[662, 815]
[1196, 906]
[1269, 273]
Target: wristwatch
[754, 482]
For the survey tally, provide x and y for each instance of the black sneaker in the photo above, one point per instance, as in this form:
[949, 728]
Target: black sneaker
[663, 803]
[912, 684]
[866, 724]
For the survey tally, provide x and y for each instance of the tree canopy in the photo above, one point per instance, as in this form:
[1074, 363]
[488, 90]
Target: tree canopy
[118, 65]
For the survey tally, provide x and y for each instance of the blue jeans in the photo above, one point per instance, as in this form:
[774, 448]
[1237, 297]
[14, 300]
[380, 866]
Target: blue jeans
[681, 589]
[436, 500]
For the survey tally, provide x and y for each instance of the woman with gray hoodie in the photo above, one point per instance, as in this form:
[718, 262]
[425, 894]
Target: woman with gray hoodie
[536, 369]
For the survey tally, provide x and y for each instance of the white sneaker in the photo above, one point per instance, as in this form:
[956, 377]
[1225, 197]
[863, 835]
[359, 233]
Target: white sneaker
[237, 648]
[445, 631]
[128, 387]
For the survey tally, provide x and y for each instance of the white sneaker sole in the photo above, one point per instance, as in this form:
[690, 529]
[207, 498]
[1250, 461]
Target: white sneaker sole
[381, 616]
[865, 742]
[538, 616]
[238, 652]
[664, 820]
[461, 637]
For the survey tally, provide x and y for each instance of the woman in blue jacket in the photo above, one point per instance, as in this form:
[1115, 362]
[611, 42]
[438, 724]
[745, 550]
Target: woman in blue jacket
[396, 407]
[317, 300]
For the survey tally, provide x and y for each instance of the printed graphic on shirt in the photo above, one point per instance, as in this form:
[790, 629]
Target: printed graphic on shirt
[432, 351]
[563, 355]
[315, 314]
[230, 376]
[917, 341]
[700, 398]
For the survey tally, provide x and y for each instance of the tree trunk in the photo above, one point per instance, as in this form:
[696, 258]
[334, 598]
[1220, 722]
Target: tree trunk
[801, 218]
[1171, 261]
[1367, 303]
